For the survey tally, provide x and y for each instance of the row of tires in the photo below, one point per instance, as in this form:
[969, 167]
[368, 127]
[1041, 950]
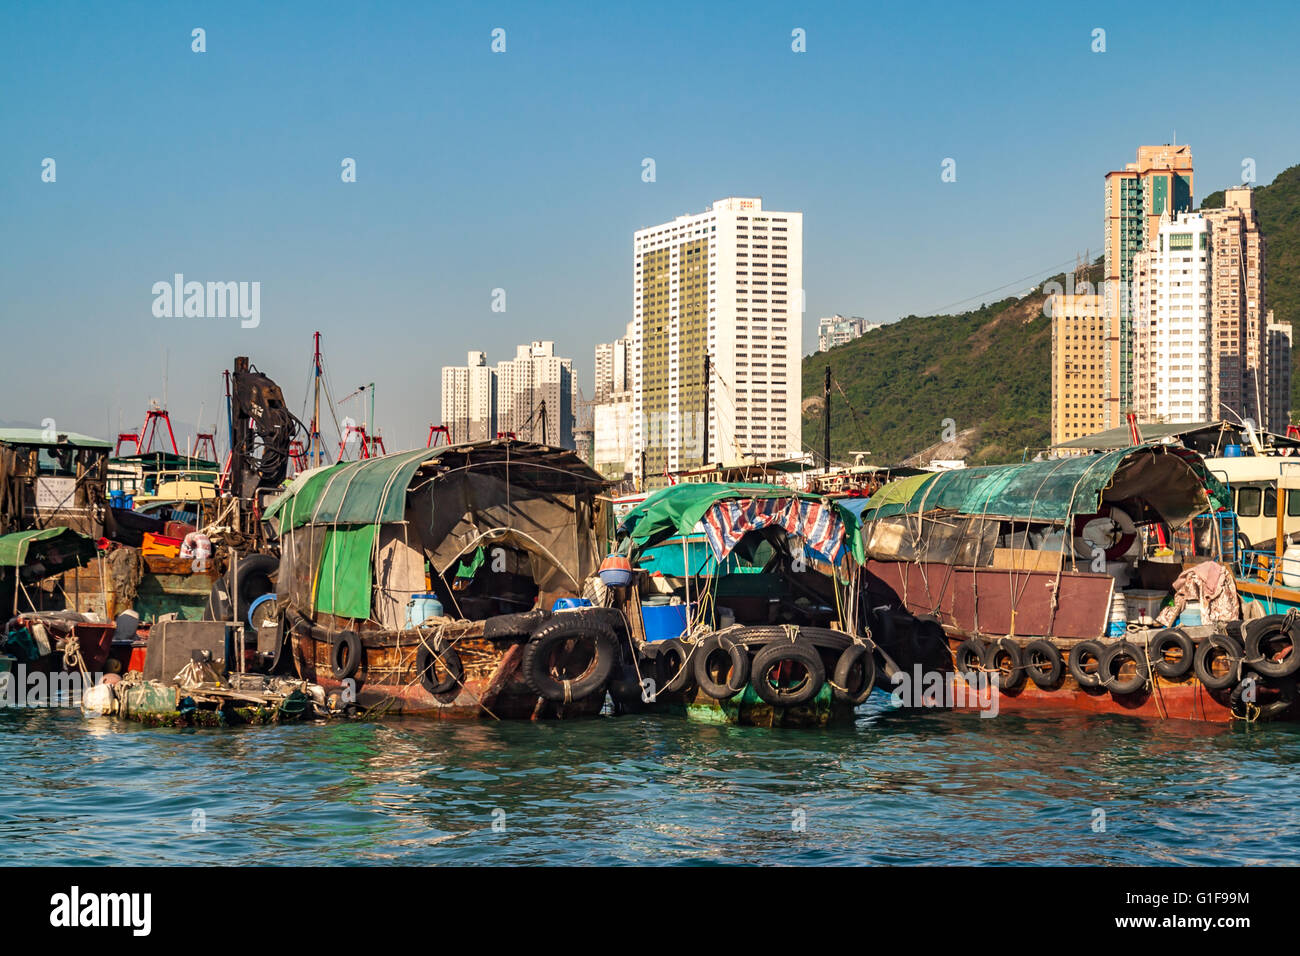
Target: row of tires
[572, 656]
[1267, 645]
[568, 658]
[786, 668]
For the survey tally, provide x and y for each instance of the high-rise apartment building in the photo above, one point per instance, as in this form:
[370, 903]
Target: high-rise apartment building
[604, 382]
[535, 395]
[1158, 184]
[837, 329]
[469, 400]
[1240, 324]
[612, 453]
[1084, 336]
[1174, 353]
[727, 284]
[612, 367]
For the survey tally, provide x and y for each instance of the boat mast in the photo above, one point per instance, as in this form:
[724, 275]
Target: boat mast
[316, 450]
[704, 454]
[826, 420]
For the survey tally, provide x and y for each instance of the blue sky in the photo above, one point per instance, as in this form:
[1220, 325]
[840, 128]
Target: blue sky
[522, 170]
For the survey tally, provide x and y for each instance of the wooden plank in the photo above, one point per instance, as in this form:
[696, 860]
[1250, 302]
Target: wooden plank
[1024, 559]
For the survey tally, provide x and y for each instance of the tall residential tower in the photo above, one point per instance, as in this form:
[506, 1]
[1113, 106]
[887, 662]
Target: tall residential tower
[469, 400]
[1240, 321]
[726, 284]
[1158, 184]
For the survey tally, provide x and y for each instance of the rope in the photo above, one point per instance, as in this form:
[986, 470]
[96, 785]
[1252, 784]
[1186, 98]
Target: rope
[385, 705]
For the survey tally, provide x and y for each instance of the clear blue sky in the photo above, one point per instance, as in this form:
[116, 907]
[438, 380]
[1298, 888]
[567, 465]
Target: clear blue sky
[522, 170]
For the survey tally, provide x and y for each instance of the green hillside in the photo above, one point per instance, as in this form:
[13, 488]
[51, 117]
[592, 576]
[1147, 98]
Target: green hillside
[990, 370]
[987, 370]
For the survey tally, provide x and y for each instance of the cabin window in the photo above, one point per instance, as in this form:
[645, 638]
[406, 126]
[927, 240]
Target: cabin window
[1248, 502]
[1293, 503]
[1270, 502]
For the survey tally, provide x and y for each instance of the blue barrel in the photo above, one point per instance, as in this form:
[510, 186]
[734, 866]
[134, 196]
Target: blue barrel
[1231, 451]
[421, 607]
[663, 622]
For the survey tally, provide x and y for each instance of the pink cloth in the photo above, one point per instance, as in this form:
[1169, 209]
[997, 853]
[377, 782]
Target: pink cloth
[1210, 584]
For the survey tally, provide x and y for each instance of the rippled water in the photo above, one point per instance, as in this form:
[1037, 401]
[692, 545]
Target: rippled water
[893, 788]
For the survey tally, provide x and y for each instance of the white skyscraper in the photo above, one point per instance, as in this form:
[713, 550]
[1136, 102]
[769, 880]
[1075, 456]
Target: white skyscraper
[726, 283]
[1173, 347]
[536, 375]
[612, 367]
[469, 400]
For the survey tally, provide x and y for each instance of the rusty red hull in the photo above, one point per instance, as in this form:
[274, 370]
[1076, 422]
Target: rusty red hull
[991, 604]
[994, 601]
[1187, 699]
[387, 684]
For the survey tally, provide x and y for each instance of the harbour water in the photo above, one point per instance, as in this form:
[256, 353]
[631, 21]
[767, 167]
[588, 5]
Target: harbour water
[895, 787]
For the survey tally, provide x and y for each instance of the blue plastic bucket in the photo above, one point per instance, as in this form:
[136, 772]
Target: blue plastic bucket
[663, 622]
[1231, 451]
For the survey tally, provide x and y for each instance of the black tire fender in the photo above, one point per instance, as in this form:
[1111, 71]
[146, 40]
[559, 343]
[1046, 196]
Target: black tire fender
[675, 671]
[218, 607]
[1159, 646]
[969, 652]
[733, 678]
[1260, 634]
[512, 625]
[434, 654]
[1005, 659]
[1043, 663]
[1217, 646]
[1077, 660]
[798, 651]
[253, 576]
[1284, 691]
[345, 654]
[1114, 655]
[849, 658]
[569, 626]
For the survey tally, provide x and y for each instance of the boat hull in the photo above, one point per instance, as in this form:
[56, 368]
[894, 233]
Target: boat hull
[387, 684]
[990, 605]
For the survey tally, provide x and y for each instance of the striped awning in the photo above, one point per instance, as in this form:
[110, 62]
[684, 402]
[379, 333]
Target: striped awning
[818, 524]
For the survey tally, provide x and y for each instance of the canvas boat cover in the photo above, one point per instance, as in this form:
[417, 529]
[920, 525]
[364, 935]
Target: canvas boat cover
[354, 528]
[65, 546]
[729, 511]
[1165, 478]
[370, 491]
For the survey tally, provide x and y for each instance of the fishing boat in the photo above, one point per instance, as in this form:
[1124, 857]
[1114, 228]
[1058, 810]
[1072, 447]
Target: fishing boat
[744, 605]
[1265, 496]
[1093, 583]
[447, 582]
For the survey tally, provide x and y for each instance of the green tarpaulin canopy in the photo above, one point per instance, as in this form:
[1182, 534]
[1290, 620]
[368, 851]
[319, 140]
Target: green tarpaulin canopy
[370, 491]
[1054, 491]
[71, 547]
[343, 584]
[892, 499]
[349, 501]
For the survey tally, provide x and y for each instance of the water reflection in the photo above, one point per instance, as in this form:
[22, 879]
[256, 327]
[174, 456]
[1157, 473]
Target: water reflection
[893, 788]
